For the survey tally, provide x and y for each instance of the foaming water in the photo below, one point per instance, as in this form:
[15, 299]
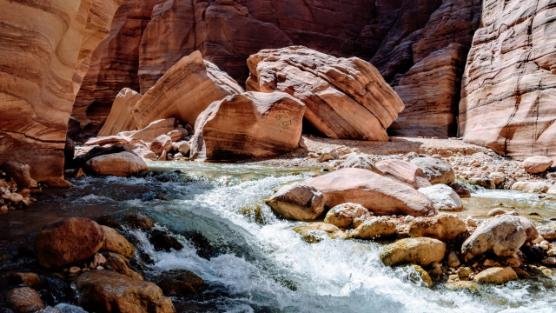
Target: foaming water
[263, 266]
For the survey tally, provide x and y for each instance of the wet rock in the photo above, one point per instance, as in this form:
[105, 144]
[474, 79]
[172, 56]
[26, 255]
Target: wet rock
[343, 214]
[421, 251]
[24, 278]
[315, 232]
[444, 227]
[374, 228]
[24, 300]
[404, 171]
[120, 264]
[424, 276]
[117, 164]
[297, 202]
[181, 283]
[68, 241]
[437, 171]
[248, 125]
[462, 190]
[531, 186]
[537, 164]
[117, 243]
[111, 292]
[379, 194]
[139, 220]
[443, 198]
[496, 275]
[164, 241]
[464, 273]
[503, 235]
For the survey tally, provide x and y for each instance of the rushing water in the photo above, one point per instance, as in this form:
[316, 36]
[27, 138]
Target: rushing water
[263, 266]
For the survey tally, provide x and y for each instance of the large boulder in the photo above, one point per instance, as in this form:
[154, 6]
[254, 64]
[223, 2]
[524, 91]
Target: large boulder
[117, 164]
[345, 97]
[443, 227]
[421, 251]
[120, 117]
[437, 171]
[110, 292]
[443, 197]
[404, 171]
[379, 194]
[184, 91]
[251, 124]
[537, 164]
[509, 87]
[68, 241]
[504, 235]
[297, 202]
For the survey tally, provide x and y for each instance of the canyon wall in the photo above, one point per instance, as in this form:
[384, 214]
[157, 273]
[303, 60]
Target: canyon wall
[509, 87]
[44, 53]
[400, 37]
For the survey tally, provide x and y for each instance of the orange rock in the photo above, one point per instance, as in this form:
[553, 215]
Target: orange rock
[121, 113]
[117, 164]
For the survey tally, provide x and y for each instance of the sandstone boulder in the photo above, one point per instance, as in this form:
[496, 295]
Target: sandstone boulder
[421, 251]
[443, 197]
[531, 186]
[117, 243]
[316, 232]
[117, 164]
[184, 91]
[345, 97]
[118, 263]
[537, 164]
[496, 275]
[444, 227]
[297, 202]
[120, 117]
[110, 292]
[24, 300]
[437, 171]
[252, 124]
[504, 235]
[374, 228]
[68, 241]
[379, 194]
[343, 214]
[403, 171]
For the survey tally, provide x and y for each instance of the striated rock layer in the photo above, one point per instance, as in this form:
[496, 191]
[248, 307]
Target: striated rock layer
[509, 88]
[44, 53]
[345, 98]
[396, 36]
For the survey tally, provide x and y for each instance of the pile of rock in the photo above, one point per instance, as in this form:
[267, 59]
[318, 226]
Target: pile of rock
[16, 185]
[390, 203]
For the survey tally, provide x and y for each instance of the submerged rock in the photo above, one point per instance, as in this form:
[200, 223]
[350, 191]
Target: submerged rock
[421, 251]
[297, 202]
[68, 241]
[496, 275]
[117, 164]
[443, 227]
[24, 300]
[443, 197]
[437, 171]
[344, 214]
[111, 292]
[503, 235]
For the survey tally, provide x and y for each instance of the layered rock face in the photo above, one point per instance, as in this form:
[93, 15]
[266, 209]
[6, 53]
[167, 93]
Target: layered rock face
[345, 98]
[401, 38]
[509, 88]
[45, 50]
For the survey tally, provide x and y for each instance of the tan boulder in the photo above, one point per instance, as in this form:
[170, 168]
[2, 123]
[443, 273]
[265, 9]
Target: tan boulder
[344, 214]
[421, 251]
[345, 97]
[379, 194]
[496, 275]
[112, 292]
[297, 202]
[443, 227]
[24, 300]
[374, 228]
[531, 186]
[315, 232]
[120, 117]
[184, 91]
[117, 164]
[403, 171]
[437, 171]
[503, 234]
[537, 164]
[443, 197]
[117, 243]
[251, 124]
[68, 241]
